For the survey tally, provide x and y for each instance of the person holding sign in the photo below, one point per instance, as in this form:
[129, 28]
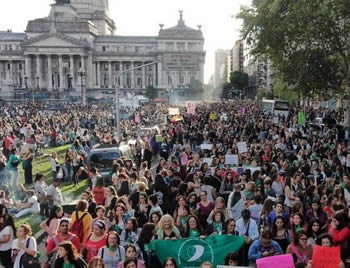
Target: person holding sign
[264, 247]
[299, 248]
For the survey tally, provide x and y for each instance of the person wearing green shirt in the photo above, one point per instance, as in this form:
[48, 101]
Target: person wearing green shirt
[194, 228]
[67, 257]
[12, 169]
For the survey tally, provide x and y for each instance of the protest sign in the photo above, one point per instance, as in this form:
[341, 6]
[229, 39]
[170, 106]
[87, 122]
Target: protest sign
[208, 160]
[301, 119]
[174, 111]
[206, 146]
[242, 147]
[231, 159]
[212, 116]
[192, 252]
[325, 257]
[275, 120]
[159, 138]
[191, 107]
[280, 261]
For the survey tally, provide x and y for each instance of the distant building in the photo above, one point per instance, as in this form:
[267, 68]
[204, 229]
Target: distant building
[237, 55]
[220, 65]
[76, 44]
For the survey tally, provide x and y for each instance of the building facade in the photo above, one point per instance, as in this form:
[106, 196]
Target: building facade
[76, 46]
[220, 67]
[237, 56]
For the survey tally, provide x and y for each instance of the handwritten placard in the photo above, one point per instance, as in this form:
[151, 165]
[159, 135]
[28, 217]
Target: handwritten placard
[231, 159]
[280, 261]
[325, 257]
[174, 111]
[242, 147]
[206, 146]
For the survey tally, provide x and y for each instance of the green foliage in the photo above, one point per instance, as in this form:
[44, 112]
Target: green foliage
[239, 80]
[151, 92]
[308, 41]
[284, 92]
[195, 86]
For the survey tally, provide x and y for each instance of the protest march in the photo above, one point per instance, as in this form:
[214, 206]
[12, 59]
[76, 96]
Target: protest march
[210, 184]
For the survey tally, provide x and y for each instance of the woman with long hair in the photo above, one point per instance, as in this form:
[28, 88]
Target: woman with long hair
[110, 199]
[24, 243]
[217, 226]
[313, 231]
[131, 233]
[144, 242]
[236, 202]
[231, 227]
[89, 197]
[339, 230]
[193, 228]
[82, 214]
[67, 256]
[142, 209]
[7, 235]
[265, 212]
[113, 253]
[167, 229]
[131, 254]
[204, 208]
[316, 211]
[51, 224]
[280, 233]
[220, 205]
[170, 262]
[299, 248]
[154, 218]
[297, 224]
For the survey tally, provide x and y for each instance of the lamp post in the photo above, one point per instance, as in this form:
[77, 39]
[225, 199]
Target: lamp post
[117, 94]
[81, 73]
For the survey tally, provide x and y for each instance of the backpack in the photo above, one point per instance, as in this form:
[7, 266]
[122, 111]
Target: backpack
[51, 262]
[78, 226]
[27, 260]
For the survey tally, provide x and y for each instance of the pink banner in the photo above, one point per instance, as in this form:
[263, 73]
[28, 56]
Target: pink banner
[191, 107]
[280, 261]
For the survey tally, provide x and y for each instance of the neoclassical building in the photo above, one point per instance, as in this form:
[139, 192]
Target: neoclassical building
[77, 42]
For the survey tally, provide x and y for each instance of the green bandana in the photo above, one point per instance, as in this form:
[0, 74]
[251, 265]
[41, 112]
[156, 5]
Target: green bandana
[194, 233]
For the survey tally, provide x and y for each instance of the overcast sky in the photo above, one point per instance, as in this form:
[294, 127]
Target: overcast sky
[139, 17]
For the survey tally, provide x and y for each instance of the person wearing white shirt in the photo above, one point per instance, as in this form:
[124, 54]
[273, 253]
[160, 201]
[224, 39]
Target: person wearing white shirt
[7, 235]
[31, 206]
[24, 243]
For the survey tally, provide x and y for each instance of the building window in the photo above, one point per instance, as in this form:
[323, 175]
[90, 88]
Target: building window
[170, 81]
[181, 79]
[8, 66]
[105, 66]
[117, 67]
[20, 66]
[103, 48]
[181, 46]
[139, 81]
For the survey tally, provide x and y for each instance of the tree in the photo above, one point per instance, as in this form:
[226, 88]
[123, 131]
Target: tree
[195, 86]
[239, 80]
[308, 41]
[151, 92]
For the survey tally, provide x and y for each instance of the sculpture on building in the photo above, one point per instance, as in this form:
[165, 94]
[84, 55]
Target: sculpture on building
[62, 2]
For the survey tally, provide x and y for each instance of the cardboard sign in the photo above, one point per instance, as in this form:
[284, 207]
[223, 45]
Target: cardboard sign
[242, 147]
[280, 261]
[206, 146]
[231, 159]
[208, 160]
[212, 116]
[275, 120]
[159, 138]
[301, 119]
[325, 257]
[174, 111]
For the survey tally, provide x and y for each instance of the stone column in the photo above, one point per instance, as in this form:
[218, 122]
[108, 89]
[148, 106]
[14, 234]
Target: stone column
[90, 76]
[22, 74]
[71, 71]
[1, 71]
[98, 74]
[60, 68]
[121, 84]
[110, 74]
[49, 71]
[144, 75]
[132, 77]
[38, 73]
[27, 72]
[155, 75]
[201, 72]
[160, 76]
[10, 71]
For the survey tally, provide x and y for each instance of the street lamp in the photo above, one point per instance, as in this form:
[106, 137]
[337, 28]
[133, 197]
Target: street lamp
[117, 93]
[81, 73]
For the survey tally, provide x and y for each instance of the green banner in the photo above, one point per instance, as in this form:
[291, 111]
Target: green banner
[301, 119]
[191, 252]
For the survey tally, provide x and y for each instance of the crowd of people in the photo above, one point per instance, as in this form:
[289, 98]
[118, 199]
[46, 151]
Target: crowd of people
[221, 170]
